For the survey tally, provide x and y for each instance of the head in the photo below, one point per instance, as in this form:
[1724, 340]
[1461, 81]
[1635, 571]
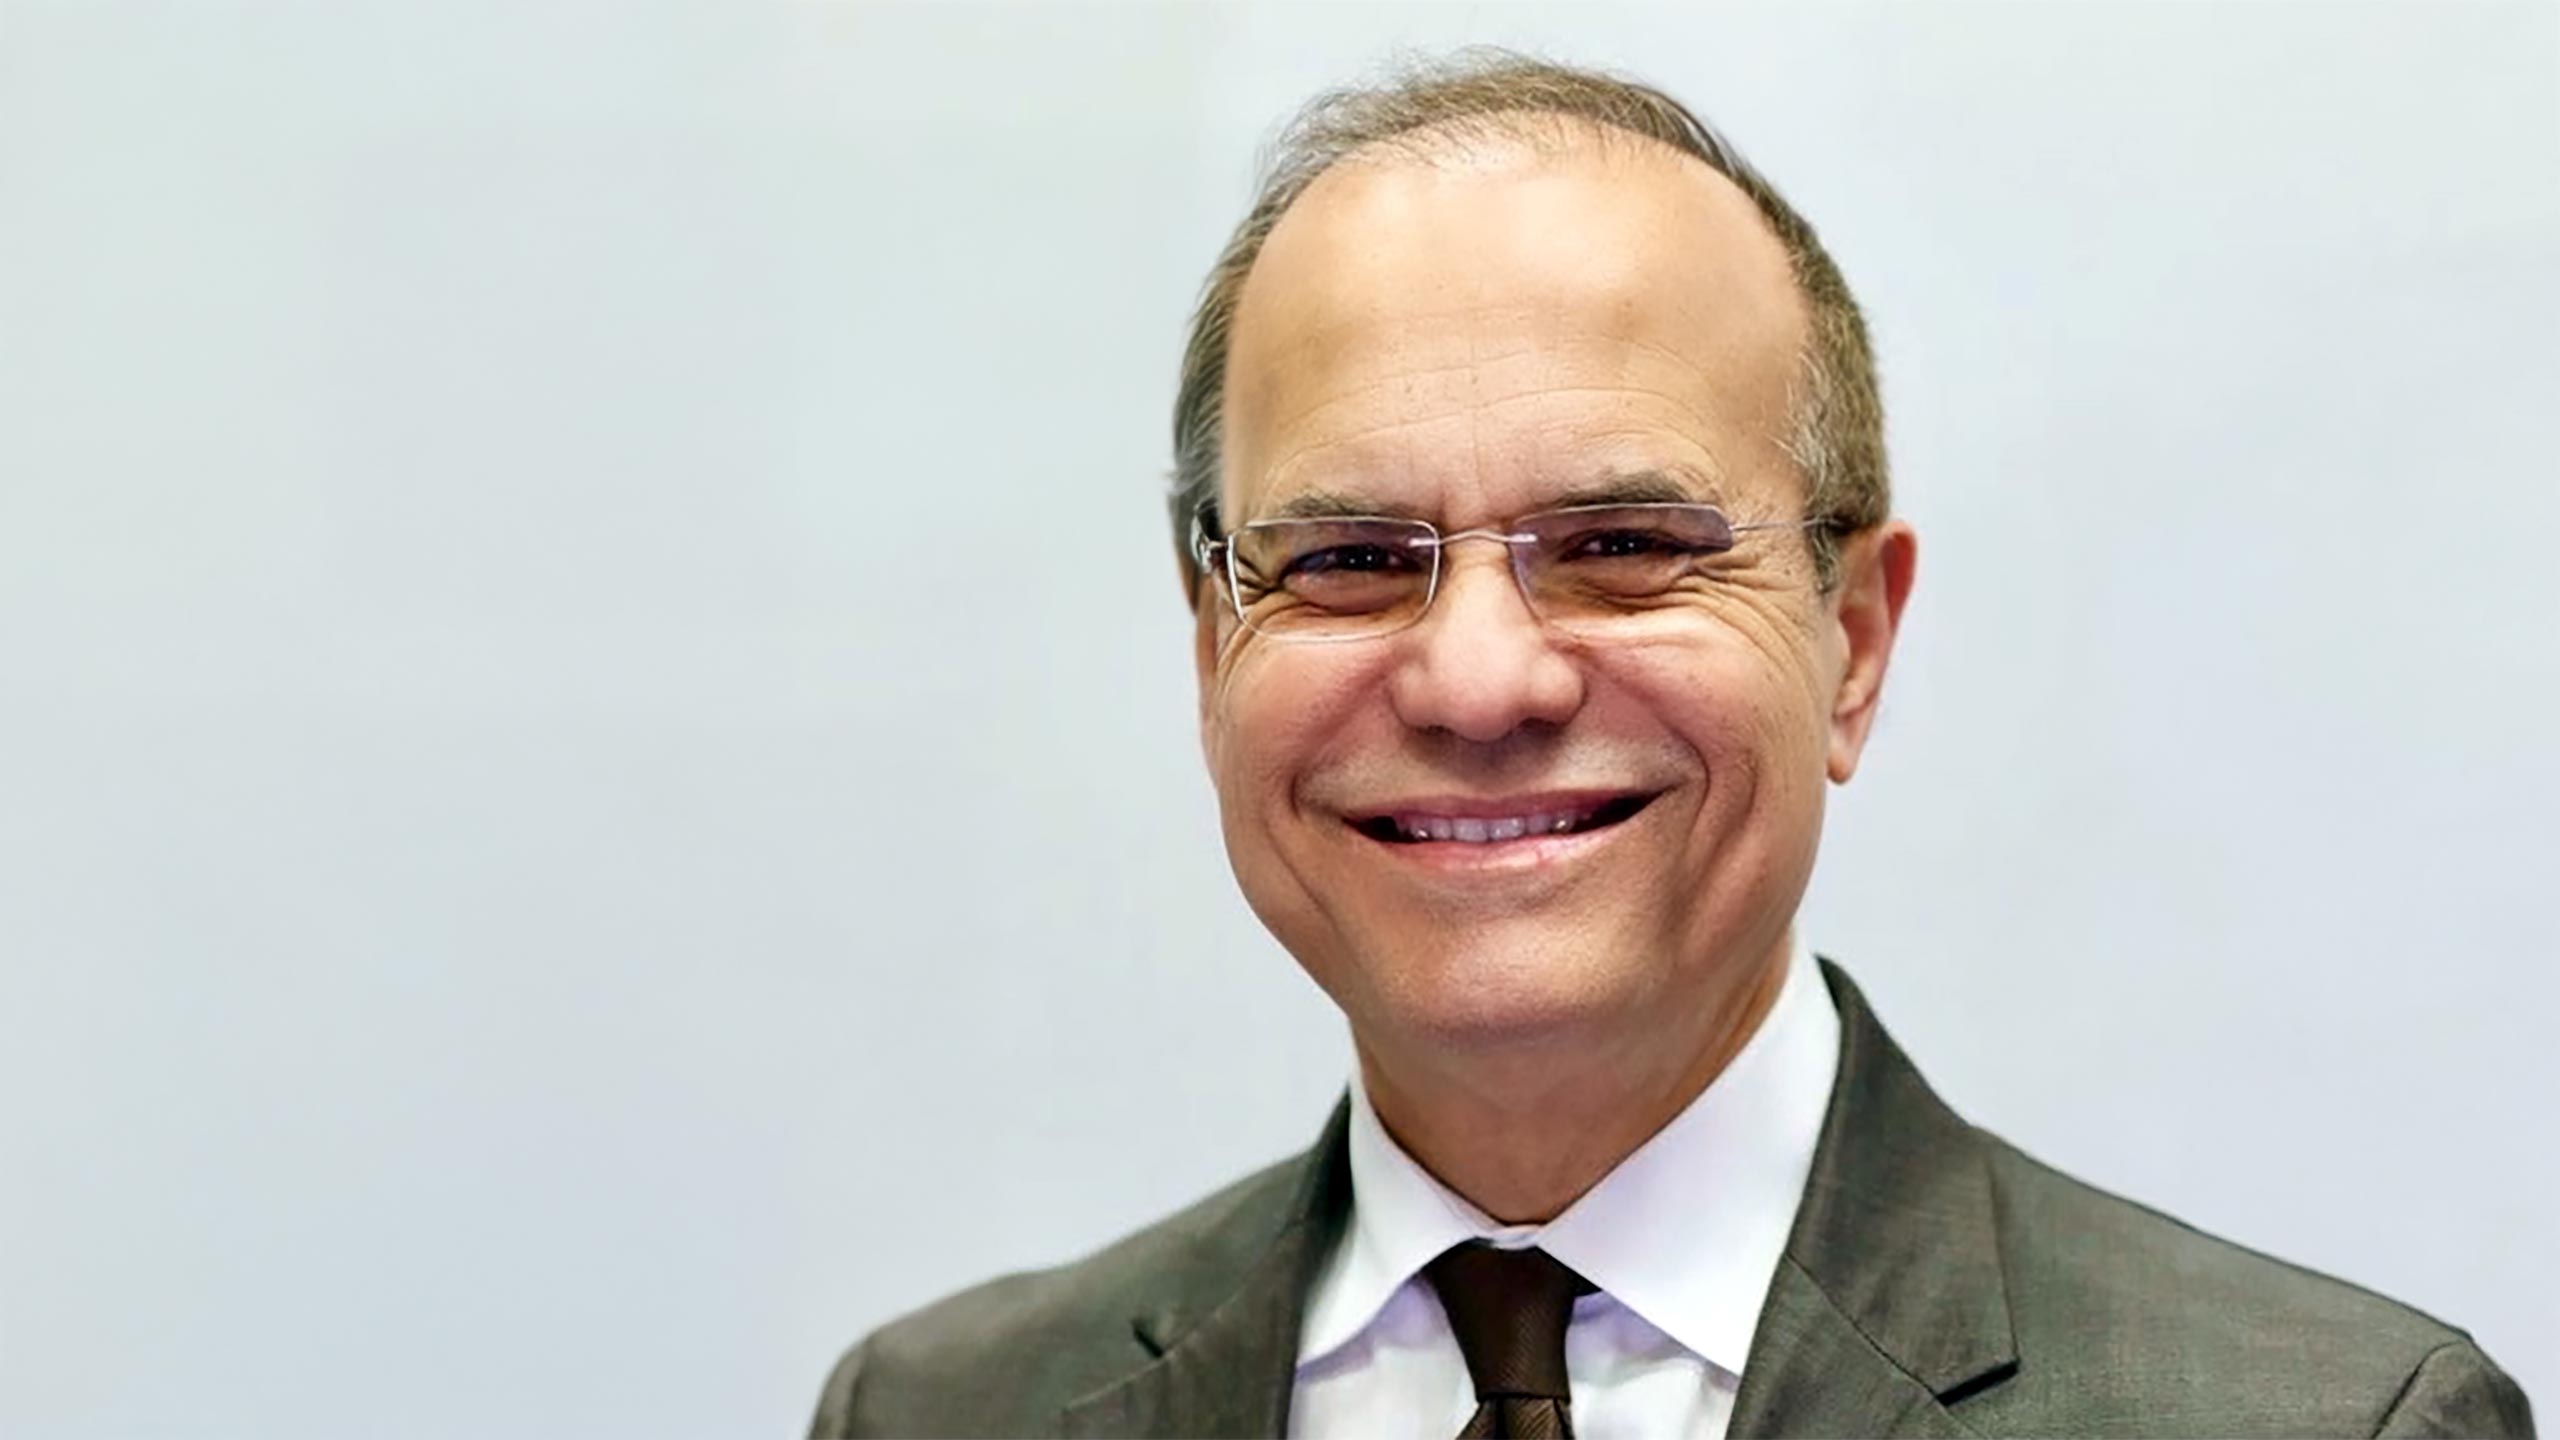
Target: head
[1469, 296]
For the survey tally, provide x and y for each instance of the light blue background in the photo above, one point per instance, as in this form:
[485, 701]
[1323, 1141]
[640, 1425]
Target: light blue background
[597, 789]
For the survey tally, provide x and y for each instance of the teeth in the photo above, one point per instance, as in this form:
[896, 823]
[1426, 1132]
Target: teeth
[1474, 830]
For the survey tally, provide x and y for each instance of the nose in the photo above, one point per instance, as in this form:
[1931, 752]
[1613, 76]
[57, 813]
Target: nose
[1479, 664]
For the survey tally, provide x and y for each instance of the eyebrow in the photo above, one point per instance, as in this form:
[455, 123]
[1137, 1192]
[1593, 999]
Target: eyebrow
[1670, 486]
[1326, 505]
[1639, 487]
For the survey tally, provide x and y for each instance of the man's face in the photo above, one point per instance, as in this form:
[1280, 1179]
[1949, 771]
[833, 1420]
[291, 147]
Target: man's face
[1467, 342]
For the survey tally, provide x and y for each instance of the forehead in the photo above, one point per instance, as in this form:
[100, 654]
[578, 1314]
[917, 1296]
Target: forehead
[1483, 330]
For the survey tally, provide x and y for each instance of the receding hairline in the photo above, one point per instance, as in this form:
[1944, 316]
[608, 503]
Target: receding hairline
[1500, 140]
[1547, 134]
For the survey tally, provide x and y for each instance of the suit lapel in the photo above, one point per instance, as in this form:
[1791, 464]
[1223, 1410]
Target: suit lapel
[1226, 1344]
[1891, 1303]
[1812, 1372]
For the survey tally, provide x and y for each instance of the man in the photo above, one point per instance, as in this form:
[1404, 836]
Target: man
[1532, 496]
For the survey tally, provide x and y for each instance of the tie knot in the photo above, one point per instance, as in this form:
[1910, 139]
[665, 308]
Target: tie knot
[1509, 1309]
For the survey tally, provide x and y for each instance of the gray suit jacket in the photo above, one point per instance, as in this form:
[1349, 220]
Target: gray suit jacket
[1937, 1282]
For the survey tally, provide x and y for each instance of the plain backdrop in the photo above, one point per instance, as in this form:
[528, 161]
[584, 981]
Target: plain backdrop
[597, 778]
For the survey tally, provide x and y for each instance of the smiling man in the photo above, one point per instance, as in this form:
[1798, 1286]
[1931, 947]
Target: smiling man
[1533, 511]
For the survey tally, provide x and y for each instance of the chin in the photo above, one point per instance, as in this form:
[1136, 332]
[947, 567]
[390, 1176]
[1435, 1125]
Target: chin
[1497, 989]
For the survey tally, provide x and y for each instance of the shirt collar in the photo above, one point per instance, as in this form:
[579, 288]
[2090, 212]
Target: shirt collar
[1686, 1231]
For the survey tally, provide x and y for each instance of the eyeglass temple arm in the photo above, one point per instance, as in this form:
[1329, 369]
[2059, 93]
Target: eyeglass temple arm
[1203, 544]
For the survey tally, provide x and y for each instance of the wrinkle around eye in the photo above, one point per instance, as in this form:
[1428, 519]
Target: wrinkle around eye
[1734, 599]
[1757, 617]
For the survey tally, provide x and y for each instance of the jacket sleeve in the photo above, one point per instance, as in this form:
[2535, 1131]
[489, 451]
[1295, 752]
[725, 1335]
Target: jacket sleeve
[2456, 1390]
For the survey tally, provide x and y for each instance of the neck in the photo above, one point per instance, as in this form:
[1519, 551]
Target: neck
[1524, 1132]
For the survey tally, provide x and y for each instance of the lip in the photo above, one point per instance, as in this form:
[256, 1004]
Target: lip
[1522, 854]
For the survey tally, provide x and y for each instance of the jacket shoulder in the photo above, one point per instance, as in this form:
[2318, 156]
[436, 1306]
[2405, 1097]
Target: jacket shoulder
[2131, 1321]
[1006, 1356]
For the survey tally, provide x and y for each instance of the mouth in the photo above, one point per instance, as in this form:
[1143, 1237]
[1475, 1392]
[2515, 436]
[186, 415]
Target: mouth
[1474, 823]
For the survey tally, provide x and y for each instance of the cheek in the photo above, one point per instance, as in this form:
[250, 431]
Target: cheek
[1744, 710]
[1723, 693]
[1273, 712]
[1748, 723]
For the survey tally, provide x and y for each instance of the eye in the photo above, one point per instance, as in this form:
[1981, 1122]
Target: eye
[1630, 544]
[1617, 545]
[1350, 559]
[1356, 566]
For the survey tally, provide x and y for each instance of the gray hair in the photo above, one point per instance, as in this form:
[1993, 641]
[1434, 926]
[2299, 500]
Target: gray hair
[1835, 427]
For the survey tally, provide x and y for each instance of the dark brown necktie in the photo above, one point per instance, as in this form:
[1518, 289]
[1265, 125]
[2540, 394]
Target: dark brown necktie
[1509, 1309]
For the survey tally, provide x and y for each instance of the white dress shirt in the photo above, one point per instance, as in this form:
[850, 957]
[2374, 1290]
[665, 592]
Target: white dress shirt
[1681, 1239]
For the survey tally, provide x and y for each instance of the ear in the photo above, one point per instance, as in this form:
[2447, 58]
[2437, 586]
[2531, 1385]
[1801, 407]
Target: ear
[1876, 568]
